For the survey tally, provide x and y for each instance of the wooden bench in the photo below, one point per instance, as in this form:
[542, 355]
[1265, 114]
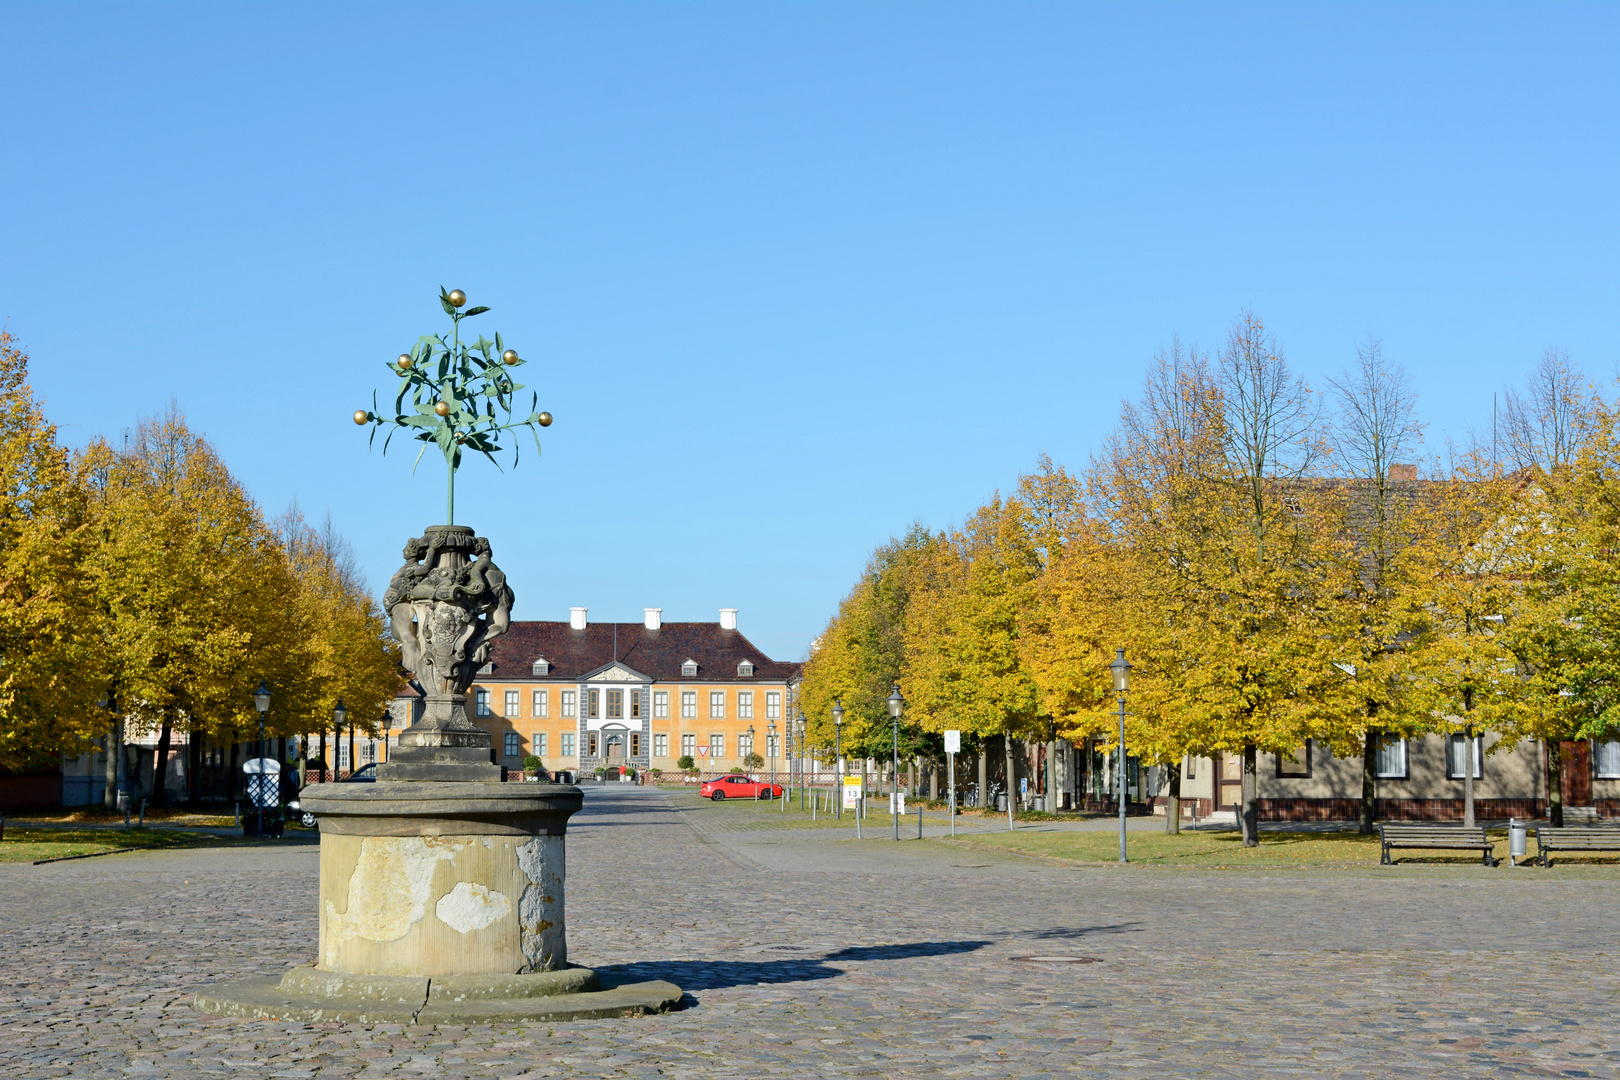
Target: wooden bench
[1601, 837]
[1445, 837]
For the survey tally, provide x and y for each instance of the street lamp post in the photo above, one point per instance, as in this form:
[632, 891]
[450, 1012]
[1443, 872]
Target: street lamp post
[339, 715]
[799, 721]
[261, 701]
[388, 727]
[746, 763]
[770, 747]
[896, 703]
[1122, 682]
[838, 753]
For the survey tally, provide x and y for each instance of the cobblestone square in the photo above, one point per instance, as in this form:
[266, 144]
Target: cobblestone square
[805, 953]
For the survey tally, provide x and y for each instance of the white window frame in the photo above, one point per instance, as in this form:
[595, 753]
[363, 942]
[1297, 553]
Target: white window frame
[481, 703]
[773, 705]
[688, 704]
[513, 708]
[540, 704]
[689, 669]
[537, 739]
[771, 746]
[1453, 770]
[660, 704]
[569, 707]
[745, 745]
[745, 669]
[745, 704]
[1610, 750]
[717, 747]
[567, 747]
[1394, 747]
[660, 746]
[689, 745]
[717, 704]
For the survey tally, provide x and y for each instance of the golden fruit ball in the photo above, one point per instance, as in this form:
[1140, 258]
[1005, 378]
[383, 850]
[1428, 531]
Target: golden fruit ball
[457, 297]
[405, 360]
[442, 408]
[545, 419]
[508, 356]
[361, 416]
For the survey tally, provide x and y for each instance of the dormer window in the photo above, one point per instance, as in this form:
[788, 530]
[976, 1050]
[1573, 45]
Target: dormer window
[487, 669]
[745, 669]
[689, 669]
[542, 666]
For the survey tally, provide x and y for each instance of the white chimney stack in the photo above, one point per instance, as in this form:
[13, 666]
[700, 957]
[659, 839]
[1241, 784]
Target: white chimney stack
[654, 618]
[728, 618]
[576, 617]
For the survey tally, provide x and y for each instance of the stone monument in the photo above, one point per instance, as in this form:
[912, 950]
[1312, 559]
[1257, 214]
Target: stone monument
[442, 888]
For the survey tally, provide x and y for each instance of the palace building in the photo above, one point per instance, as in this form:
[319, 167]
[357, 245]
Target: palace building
[580, 695]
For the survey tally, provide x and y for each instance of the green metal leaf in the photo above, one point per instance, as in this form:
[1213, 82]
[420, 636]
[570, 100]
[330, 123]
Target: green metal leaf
[470, 312]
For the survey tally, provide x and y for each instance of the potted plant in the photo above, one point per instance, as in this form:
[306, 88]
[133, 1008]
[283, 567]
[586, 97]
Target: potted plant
[533, 769]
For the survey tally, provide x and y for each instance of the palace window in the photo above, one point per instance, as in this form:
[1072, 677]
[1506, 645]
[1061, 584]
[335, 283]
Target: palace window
[590, 744]
[542, 667]
[689, 746]
[689, 704]
[512, 704]
[745, 745]
[594, 703]
[542, 703]
[660, 704]
[745, 669]
[635, 704]
[717, 746]
[661, 746]
[615, 704]
[635, 744]
[568, 699]
[1189, 767]
[513, 745]
[689, 669]
[368, 752]
[717, 704]
[567, 744]
[745, 704]
[1455, 752]
[1390, 760]
[1607, 760]
[771, 746]
[482, 700]
[537, 740]
[773, 705]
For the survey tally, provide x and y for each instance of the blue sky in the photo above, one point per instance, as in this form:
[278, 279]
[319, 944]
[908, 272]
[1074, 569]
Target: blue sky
[789, 276]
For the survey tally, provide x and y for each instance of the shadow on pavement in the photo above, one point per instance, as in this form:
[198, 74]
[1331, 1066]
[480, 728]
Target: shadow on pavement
[696, 975]
[1068, 933]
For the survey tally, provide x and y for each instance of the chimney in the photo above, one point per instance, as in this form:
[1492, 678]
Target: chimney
[576, 618]
[728, 618]
[1403, 472]
[654, 617]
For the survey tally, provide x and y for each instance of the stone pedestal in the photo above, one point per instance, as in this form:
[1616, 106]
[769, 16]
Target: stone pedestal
[440, 903]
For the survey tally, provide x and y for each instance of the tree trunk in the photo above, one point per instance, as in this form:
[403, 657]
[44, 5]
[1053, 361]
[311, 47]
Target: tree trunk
[1051, 776]
[322, 766]
[1369, 781]
[194, 749]
[933, 781]
[160, 768]
[1012, 778]
[1172, 808]
[1555, 783]
[1249, 815]
[984, 775]
[1468, 777]
[115, 763]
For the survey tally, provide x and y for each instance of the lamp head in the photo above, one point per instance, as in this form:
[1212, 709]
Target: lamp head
[838, 712]
[261, 697]
[1122, 672]
[339, 713]
[896, 702]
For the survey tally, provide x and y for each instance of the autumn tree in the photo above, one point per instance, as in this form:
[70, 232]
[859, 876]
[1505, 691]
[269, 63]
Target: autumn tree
[1375, 431]
[49, 683]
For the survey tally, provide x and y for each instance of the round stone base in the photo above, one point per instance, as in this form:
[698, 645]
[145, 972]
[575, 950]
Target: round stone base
[309, 995]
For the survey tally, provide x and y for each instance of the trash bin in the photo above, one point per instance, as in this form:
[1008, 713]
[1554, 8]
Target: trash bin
[1517, 841]
[1001, 802]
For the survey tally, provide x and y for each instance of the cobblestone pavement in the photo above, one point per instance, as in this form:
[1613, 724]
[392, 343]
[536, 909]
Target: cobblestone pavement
[856, 959]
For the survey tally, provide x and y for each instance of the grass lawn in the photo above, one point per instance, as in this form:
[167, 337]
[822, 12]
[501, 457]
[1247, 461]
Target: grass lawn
[26, 845]
[1202, 849]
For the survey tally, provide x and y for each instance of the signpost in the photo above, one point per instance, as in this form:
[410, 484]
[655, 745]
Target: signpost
[953, 744]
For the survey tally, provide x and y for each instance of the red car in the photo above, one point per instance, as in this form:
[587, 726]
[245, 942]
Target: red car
[738, 786]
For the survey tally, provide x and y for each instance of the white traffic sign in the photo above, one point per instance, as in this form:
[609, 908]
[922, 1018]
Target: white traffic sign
[852, 792]
[953, 742]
